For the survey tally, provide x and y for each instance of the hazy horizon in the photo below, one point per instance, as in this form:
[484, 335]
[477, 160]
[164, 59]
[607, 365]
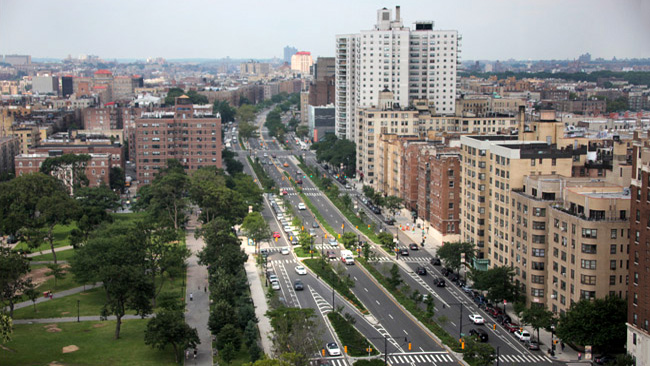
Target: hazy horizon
[491, 30]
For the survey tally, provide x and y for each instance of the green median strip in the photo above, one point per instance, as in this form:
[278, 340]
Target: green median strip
[350, 337]
[319, 217]
[325, 271]
[265, 180]
[410, 305]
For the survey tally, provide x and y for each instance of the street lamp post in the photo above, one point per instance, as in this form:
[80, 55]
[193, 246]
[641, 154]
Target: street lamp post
[78, 301]
[386, 338]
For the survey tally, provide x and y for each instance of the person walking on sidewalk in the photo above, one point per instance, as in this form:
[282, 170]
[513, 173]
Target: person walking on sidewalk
[191, 296]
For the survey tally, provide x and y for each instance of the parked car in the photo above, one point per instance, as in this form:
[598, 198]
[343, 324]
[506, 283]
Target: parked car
[476, 319]
[273, 277]
[298, 286]
[403, 251]
[480, 334]
[332, 242]
[333, 349]
[435, 261]
[376, 210]
[532, 345]
[314, 225]
[413, 246]
[454, 277]
[439, 282]
[504, 319]
[331, 255]
[301, 270]
[445, 271]
[390, 221]
[604, 359]
[275, 285]
[511, 327]
[421, 270]
[494, 312]
[294, 240]
[522, 335]
[467, 289]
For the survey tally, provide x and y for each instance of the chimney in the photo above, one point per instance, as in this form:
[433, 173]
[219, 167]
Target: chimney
[397, 15]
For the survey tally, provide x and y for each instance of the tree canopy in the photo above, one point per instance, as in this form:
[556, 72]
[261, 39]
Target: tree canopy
[497, 281]
[226, 111]
[450, 253]
[337, 151]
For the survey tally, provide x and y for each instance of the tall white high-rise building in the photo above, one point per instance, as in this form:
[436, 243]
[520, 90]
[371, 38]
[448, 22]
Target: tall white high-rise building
[416, 64]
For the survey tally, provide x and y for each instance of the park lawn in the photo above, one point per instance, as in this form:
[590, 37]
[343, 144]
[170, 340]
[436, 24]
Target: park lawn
[63, 255]
[90, 303]
[126, 217]
[61, 235]
[32, 344]
[302, 253]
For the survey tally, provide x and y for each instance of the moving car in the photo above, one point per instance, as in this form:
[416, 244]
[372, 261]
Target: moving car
[284, 251]
[314, 225]
[299, 181]
[435, 261]
[522, 335]
[301, 206]
[604, 359]
[403, 251]
[413, 246]
[298, 286]
[532, 345]
[480, 334]
[421, 270]
[276, 234]
[333, 349]
[440, 282]
[312, 232]
[286, 165]
[332, 242]
[300, 270]
[466, 289]
[331, 255]
[284, 192]
[476, 319]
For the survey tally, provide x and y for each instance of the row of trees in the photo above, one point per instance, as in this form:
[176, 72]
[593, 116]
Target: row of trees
[194, 96]
[391, 203]
[335, 151]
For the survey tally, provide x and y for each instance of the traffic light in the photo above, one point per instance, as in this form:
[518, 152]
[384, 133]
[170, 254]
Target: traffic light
[276, 239]
[462, 345]
[342, 226]
[323, 352]
[345, 349]
[409, 346]
[494, 326]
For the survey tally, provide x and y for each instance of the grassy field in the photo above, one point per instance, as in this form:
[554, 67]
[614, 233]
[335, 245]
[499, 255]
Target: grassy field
[90, 303]
[60, 233]
[357, 344]
[63, 255]
[33, 345]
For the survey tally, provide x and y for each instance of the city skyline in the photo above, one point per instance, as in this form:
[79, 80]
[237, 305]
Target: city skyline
[537, 31]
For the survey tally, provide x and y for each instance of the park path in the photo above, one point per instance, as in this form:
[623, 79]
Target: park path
[70, 319]
[57, 295]
[197, 296]
[49, 251]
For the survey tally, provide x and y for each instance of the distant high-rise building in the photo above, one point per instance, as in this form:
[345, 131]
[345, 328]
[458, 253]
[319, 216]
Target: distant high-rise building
[288, 52]
[324, 67]
[414, 64]
[67, 86]
[255, 68]
[301, 62]
[14, 60]
[46, 84]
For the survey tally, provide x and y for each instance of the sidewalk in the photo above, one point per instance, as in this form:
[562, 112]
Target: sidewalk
[49, 251]
[71, 319]
[56, 295]
[259, 298]
[198, 309]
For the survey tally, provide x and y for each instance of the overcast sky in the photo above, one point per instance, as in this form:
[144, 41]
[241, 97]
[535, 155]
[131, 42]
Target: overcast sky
[491, 29]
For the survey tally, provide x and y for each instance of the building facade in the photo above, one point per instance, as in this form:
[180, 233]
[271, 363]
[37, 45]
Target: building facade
[190, 134]
[9, 149]
[301, 62]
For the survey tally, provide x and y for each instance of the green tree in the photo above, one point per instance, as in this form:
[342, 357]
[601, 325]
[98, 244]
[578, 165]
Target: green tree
[57, 271]
[386, 240]
[69, 168]
[346, 200]
[578, 324]
[169, 328]
[249, 192]
[256, 228]
[349, 240]
[94, 204]
[57, 209]
[228, 353]
[393, 204]
[301, 131]
[117, 178]
[30, 292]
[246, 129]
[172, 94]
[497, 281]
[234, 166]
[476, 353]
[395, 279]
[624, 360]
[246, 113]
[225, 110]
[295, 330]
[229, 334]
[13, 267]
[617, 105]
[115, 259]
[209, 191]
[165, 198]
[450, 253]
[538, 317]
[6, 328]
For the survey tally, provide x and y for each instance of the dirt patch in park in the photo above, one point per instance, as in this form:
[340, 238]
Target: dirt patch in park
[70, 348]
[52, 328]
[39, 276]
[99, 325]
[54, 363]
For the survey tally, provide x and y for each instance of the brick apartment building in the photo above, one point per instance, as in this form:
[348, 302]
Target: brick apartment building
[97, 168]
[190, 133]
[9, 149]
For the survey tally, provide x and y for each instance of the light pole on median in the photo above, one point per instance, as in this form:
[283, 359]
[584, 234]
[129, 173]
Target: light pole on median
[460, 320]
[386, 338]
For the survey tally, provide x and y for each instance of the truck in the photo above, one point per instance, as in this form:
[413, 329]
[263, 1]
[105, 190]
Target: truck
[347, 257]
[127, 183]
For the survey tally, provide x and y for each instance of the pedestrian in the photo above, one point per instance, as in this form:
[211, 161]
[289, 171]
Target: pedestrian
[51, 295]
[195, 353]
[187, 354]
[579, 356]
[562, 346]
[191, 296]
[205, 289]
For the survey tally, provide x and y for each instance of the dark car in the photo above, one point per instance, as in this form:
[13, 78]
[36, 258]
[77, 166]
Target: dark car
[403, 251]
[440, 282]
[314, 225]
[445, 271]
[299, 181]
[413, 246]
[421, 270]
[376, 210]
[604, 359]
[454, 277]
[298, 286]
[532, 345]
[435, 261]
[390, 221]
[480, 334]
[504, 319]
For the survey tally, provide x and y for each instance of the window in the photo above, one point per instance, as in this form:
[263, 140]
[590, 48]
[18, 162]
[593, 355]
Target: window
[612, 264]
[537, 279]
[612, 280]
[537, 292]
[612, 249]
[587, 295]
[588, 264]
[539, 266]
[587, 280]
[589, 248]
[539, 225]
[589, 233]
[451, 184]
[539, 212]
[613, 235]
[538, 252]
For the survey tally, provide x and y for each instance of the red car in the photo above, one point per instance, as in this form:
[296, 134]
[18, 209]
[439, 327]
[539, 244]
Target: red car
[494, 312]
[284, 192]
[276, 234]
[511, 327]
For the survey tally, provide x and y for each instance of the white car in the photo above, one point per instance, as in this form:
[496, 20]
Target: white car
[275, 285]
[332, 242]
[476, 319]
[301, 206]
[522, 335]
[287, 228]
[284, 251]
[280, 216]
[333, 349]
[301, 270]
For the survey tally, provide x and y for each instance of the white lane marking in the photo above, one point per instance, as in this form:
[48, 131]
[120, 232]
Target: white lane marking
[377, 301]
[390, 316]
[405, 331]
[365, 289]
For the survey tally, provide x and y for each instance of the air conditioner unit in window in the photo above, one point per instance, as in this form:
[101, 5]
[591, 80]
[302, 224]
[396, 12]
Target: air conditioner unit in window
[553, 296]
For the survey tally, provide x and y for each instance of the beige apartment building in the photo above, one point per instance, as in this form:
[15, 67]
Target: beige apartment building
[29, 137]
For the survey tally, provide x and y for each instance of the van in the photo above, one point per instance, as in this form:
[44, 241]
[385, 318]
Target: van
[301, 206]
[347, 257]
